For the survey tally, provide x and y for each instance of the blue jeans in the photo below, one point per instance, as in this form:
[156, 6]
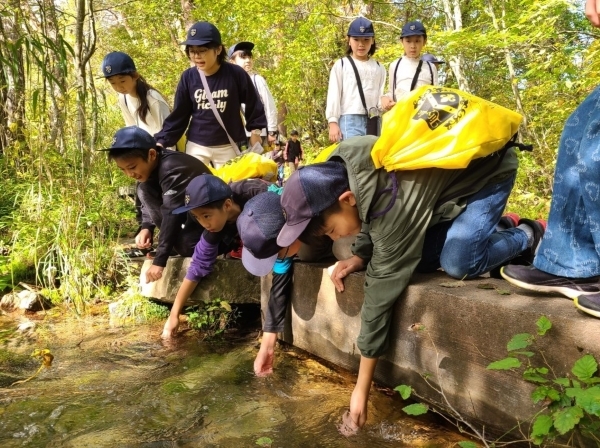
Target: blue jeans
[353, 125]
[571, 244]
[470, 245]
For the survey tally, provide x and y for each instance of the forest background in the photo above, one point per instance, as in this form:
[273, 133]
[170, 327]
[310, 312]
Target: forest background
[60, 215]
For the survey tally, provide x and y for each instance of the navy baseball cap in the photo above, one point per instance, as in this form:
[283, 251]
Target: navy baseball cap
[247, 46]
[117, 63]
[307, 193]
[131, 137]
[203, 190]
[361, 27]
[202, 33]
[428, 57]
[258, 225]
[414, 28]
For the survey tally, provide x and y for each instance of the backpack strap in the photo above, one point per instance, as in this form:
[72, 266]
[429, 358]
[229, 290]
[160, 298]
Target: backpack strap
[413, 84]
[430, 72]
[359, 84]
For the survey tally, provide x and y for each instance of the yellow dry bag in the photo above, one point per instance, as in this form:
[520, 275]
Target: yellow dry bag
[246, 166]
[439, 127]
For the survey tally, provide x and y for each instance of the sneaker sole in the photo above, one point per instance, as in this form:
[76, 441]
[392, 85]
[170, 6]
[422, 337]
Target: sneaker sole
[586, 310]
[567, 292]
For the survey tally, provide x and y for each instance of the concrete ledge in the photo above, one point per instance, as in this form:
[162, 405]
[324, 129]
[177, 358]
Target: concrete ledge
[466, 329]
[228, 281]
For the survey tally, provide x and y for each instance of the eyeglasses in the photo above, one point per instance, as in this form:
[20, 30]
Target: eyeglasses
[198, 51]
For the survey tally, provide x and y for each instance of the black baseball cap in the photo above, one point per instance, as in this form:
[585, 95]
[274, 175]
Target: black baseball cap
[258, 225]
[307, 193]
[361, 27]
[117, 63]
[131, 137]
[414, 28]
[202, 33]
[203, 190]
[247, 46]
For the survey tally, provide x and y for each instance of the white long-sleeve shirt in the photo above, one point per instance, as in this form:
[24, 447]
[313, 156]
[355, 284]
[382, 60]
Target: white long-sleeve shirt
[342, 95]
[406, 73]
[158, 111]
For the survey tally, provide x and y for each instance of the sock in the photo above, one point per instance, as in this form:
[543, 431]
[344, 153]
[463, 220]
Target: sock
[529, 232]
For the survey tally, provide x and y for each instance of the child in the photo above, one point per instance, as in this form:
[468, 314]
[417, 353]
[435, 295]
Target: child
[212, 131]
[410, 71]
[141, 105]
[293, 153]
[277, 156]
[216, 206]
[258, 226]
[241, 54]
[355, 84]
[162, 177]
[390, 213]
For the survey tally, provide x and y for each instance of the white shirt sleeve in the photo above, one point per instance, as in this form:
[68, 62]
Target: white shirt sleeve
[334, 93]
[268, 102]
[158, 109]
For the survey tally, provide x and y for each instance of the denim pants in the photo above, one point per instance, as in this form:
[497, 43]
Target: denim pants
[470, 245]
[352, 125]
[571, 244]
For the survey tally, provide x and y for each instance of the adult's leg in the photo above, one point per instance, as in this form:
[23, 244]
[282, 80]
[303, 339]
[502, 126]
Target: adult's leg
[571, 244]
[473, 246]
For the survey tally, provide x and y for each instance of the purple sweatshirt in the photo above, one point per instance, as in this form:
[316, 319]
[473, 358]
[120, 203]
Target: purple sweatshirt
[230, 87]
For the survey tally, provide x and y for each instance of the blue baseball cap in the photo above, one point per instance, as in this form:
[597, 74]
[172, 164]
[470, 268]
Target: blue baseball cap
[131, 137]
[202, 33]
[361, 27]
[117, 63]
[414, 28]
[428, 57]
[203, 190]
[307, 193]
[247, 46]
[258, 226]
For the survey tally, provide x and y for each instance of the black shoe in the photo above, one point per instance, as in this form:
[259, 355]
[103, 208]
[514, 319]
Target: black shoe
[538, 232]
[589, 304]
[528, 277]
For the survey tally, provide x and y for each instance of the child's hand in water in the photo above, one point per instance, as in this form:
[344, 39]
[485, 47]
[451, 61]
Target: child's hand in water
[170, 328]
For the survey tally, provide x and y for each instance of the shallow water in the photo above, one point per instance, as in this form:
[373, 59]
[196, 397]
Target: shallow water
[122, 387]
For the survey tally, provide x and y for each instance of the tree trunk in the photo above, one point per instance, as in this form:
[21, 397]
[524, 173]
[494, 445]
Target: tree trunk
[453, 16]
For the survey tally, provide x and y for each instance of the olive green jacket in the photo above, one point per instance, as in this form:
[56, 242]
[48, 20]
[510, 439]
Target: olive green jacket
[392, 243]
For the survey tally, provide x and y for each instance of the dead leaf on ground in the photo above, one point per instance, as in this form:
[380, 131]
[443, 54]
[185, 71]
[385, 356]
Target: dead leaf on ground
[458, 284]
[486, 286]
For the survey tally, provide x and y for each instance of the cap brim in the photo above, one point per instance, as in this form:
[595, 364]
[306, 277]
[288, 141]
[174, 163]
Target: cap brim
[256, 266]
[196, 42]
[180, 210]
[290, 233]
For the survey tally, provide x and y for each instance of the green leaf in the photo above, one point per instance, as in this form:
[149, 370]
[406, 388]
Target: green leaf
[225, 305]
[416, 409]
[404, 391]
[505, 364]
[543, 325]
[503, 292]
[528, 354]
[519, 341]
[467, 444]
[542, 393]
[563, 382]
[541, 426]
[566, 419]
[585, 367]
[264, 441]
[589, 400]
[533, 375]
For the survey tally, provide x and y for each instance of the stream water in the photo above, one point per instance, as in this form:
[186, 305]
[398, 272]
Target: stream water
[122, 387]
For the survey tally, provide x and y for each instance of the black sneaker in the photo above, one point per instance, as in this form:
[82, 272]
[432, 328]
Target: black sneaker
[528, 277]
[589, 304]
[539, 227]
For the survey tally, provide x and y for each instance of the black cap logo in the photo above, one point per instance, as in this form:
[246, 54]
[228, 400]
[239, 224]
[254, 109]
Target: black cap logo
[108, 69]
[193, 32]
[187, 199]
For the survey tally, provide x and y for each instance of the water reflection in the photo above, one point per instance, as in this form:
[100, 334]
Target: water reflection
[122, 387]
